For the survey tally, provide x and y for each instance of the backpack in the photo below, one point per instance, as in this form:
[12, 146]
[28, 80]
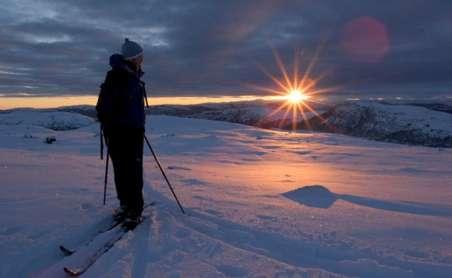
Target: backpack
[106, 106]
[105, 102]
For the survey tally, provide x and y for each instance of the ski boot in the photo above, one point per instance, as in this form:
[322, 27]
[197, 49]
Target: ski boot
[132, 220]
[120, 214]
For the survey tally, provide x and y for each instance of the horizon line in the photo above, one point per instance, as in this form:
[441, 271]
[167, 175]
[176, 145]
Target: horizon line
[26, 101]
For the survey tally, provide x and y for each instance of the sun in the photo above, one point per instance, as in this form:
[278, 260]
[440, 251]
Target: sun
[298, 90]
[296, 96]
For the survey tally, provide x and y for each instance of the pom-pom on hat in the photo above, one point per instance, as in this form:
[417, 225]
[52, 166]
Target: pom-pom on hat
[131, 49]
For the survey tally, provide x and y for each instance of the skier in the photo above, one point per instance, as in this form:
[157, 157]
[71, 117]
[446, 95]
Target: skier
[120, 110]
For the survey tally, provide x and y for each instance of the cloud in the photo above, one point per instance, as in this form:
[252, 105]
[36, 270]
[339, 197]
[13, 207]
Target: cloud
[216, 47]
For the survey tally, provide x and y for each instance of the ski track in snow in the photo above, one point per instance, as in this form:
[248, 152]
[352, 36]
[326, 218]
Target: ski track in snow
[379, 210]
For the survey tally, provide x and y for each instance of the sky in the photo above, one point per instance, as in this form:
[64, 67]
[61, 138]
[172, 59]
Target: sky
[213, 48]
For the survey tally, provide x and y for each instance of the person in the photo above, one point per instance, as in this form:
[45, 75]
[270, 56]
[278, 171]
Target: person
[120, 110]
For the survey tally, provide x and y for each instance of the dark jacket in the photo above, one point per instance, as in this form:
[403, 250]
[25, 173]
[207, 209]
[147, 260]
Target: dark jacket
[121, 98]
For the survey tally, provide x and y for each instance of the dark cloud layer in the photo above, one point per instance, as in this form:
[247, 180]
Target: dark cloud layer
[217, 47]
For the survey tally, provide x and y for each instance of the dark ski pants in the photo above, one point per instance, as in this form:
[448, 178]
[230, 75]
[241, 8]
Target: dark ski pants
[126, 151]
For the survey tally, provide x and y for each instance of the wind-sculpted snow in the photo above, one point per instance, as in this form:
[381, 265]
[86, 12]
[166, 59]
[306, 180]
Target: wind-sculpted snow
[260, 203]
[51, 120]
[319, 196]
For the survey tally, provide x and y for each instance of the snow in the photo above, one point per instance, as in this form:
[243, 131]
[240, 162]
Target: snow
[50, 120]
[405, 122]
[260, 203]
[256, 113]
[416, 123]
[387, 122]
[313, 196]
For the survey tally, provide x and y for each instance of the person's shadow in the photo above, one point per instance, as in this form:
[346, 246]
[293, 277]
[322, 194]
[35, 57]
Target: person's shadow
[319, 196]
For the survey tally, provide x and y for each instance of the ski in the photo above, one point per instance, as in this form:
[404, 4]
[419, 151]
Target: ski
[91, 254]
[94, 256]
[68, 251]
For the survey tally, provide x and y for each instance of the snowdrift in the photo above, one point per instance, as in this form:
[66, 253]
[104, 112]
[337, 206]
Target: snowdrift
[317, 196]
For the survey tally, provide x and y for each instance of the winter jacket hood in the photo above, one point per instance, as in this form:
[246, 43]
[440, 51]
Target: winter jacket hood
[117, 62]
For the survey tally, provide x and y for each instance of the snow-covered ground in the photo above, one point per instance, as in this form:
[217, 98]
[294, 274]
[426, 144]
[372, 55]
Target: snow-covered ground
[416, 123]
[406, 124]
[261, 203]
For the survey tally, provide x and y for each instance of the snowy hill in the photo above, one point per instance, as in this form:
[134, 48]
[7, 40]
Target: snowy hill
[417, 123]
[406, 124]
[261, 203]
[254, 113]
[51, 120]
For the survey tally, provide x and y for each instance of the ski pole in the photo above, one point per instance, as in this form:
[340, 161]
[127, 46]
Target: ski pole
[106, 177]
[164, 175]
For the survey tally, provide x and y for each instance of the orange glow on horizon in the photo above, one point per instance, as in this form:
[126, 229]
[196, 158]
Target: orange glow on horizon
[59, 101]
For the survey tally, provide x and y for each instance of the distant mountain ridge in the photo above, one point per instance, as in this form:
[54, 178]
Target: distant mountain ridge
[427, 124]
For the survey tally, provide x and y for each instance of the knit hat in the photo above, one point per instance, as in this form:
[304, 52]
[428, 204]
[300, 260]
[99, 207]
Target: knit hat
[131, 49]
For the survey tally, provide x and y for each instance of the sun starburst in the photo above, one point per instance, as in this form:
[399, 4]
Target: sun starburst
[297, 90]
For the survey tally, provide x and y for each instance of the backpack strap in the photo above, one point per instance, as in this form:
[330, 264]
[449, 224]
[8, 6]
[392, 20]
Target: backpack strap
[145, 94]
